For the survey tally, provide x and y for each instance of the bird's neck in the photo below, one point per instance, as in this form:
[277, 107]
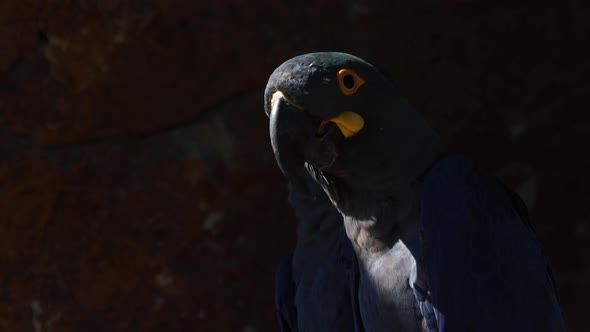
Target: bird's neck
[384, 222]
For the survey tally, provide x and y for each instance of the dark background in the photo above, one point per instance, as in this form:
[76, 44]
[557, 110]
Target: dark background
[138, 191]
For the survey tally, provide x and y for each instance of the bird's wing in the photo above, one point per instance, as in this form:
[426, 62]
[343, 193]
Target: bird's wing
[354, 278]
[312, 212]
[484, 265]
[322, 261]
[285, 295]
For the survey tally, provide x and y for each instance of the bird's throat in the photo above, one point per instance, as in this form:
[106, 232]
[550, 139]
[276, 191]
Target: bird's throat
[391, 220]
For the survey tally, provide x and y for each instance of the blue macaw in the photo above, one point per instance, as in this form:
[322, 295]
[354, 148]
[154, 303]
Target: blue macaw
[438, 244]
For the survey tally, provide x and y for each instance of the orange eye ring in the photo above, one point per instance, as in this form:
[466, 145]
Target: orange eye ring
[349, 81]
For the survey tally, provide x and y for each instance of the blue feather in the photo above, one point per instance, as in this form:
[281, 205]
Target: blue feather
[313, 287]
[484, 265]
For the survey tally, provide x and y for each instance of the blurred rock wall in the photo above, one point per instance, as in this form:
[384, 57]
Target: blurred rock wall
[137, 187]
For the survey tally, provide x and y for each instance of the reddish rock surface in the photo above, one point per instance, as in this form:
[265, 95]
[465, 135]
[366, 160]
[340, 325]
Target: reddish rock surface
[138, 191]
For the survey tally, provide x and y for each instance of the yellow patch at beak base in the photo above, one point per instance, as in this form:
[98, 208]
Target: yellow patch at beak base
[349, 123]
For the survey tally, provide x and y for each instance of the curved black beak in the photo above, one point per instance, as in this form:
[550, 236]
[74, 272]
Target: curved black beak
[288, 137]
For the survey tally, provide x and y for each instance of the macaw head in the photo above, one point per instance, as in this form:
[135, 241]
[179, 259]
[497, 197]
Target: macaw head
[345, 122]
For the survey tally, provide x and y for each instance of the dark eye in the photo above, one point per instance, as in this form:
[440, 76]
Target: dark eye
[349, 81]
